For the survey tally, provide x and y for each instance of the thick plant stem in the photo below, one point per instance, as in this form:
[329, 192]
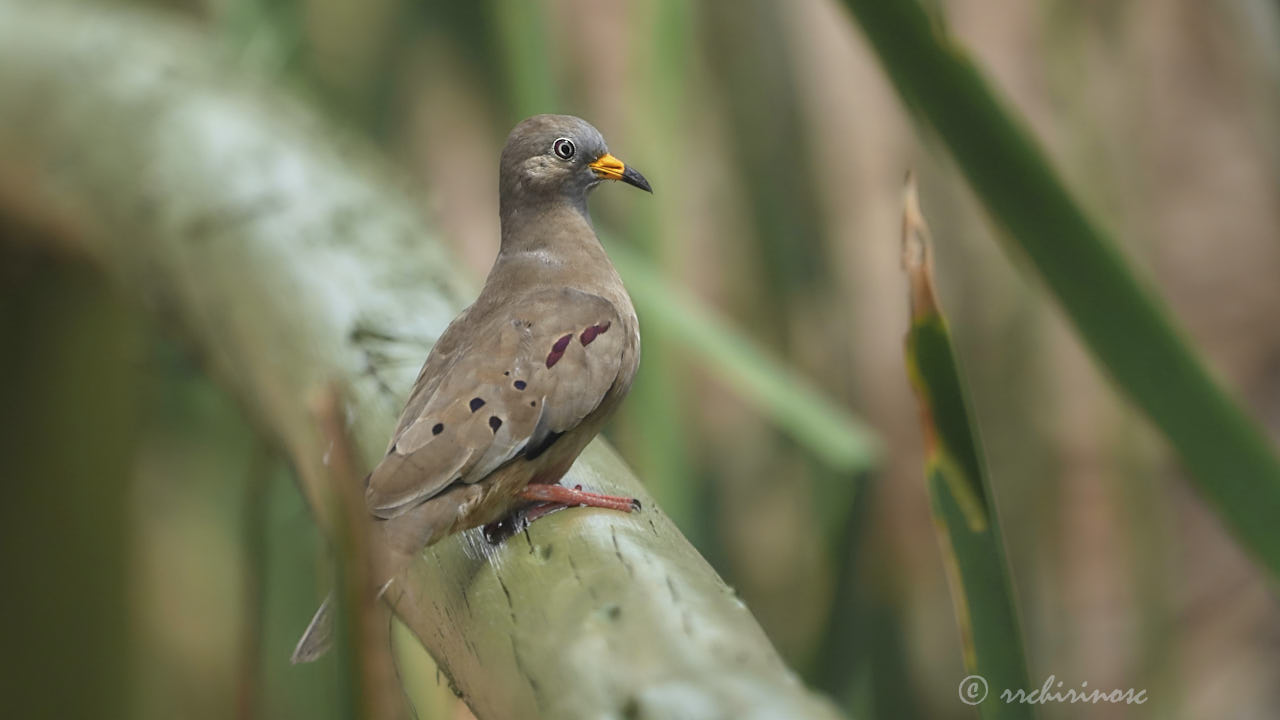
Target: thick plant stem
[289, 259]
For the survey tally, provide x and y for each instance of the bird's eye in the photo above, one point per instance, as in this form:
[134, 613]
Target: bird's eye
[563, 148]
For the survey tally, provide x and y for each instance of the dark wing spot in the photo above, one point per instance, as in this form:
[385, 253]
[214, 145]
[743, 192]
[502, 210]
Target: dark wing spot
[557, 350]
[520, 384]
[437, 429]
[533, 403]
[476, 404]
[495, 422]
[590, 333]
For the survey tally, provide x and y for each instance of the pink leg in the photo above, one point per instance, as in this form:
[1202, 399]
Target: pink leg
[549, 498]
[635, 504]
[540, 510]
[562, 495]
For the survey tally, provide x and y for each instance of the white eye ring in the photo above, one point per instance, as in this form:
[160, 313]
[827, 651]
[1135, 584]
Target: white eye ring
[563, 148]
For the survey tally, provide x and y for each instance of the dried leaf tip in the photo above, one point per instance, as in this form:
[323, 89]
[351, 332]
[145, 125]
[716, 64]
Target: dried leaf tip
[917, 255]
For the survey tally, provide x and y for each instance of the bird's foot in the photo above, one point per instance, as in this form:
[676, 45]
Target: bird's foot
[497, 532]
[576, 496]
[550, 498]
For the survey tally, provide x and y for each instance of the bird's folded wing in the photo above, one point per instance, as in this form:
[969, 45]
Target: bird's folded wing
[511, 386]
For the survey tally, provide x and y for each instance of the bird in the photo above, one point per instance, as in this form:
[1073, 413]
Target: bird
[523, 378]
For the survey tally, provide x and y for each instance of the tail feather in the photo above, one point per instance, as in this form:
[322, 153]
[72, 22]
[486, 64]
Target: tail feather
[399, 540]
[318, 636]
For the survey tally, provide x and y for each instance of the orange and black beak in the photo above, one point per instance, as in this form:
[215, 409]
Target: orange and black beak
[611, 168]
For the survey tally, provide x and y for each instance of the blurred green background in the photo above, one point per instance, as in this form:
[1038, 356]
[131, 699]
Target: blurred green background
[777, 149]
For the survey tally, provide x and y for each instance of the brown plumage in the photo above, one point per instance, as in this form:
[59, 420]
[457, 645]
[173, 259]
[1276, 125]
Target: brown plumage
[525, 377]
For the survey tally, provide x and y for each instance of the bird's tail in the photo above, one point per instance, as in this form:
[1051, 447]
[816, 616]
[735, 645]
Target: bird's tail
[318, 636]
[399, 539]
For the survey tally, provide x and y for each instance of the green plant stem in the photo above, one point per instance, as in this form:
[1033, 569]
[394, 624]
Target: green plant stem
[833, 435]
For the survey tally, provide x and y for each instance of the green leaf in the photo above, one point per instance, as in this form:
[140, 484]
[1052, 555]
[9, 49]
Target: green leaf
[1121, 321]
[964, 510]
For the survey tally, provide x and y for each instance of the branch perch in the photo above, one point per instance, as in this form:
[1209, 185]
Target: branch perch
[289, 258]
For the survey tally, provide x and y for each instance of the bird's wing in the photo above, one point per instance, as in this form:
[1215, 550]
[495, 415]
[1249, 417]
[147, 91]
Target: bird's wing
[524, 376]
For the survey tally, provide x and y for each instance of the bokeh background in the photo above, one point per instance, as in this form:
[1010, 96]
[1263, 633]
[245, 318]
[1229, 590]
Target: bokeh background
[777, 151]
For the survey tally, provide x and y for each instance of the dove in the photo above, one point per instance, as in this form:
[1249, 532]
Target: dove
[521, 380]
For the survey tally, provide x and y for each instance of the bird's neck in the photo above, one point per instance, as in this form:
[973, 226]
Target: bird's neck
[558, 226]
[553, 243]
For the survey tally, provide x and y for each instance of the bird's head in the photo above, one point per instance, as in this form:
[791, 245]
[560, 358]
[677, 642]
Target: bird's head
[559, 155]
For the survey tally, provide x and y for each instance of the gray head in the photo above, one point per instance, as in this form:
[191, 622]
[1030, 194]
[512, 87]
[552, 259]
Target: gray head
[558, 157]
